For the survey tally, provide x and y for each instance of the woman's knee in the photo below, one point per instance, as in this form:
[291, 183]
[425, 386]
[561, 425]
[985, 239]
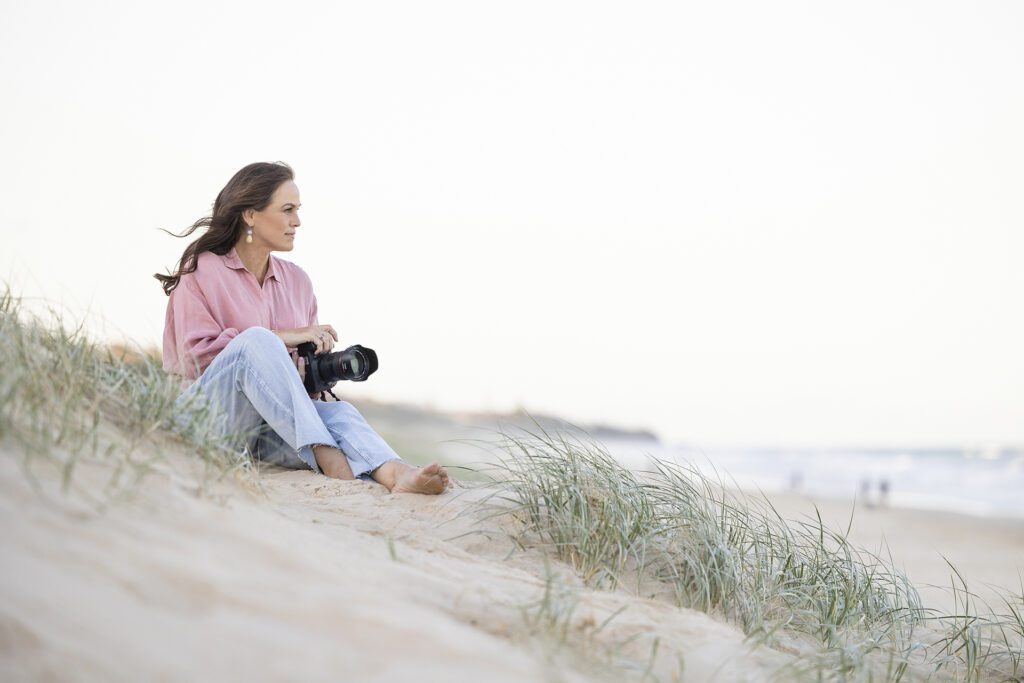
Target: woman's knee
[341, 411]
[256, 341]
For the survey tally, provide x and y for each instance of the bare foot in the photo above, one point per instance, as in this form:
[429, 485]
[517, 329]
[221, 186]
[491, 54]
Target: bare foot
[432, 479]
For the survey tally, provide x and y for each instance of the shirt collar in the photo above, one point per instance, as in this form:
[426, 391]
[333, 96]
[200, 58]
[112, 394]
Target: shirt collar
[231, 260]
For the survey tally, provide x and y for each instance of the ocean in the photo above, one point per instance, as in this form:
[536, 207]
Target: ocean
[983, 482]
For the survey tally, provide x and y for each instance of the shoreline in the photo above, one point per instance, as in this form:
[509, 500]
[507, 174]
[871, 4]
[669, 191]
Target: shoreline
[916, 481]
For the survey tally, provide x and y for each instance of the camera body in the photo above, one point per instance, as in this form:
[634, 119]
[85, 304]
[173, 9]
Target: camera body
[324, 370]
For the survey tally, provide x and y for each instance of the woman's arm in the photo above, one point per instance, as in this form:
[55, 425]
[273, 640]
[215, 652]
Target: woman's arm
[323, 336]
[198, 335]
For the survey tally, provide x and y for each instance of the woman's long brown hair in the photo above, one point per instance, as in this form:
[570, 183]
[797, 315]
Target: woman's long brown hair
[250, 188]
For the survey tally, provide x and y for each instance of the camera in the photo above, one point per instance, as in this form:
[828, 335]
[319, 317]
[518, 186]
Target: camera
[323, 371]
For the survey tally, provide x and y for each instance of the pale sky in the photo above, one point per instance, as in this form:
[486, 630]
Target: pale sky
[732, 223]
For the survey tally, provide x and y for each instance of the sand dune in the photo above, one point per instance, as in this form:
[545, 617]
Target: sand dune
[313, 579]
[289, 575]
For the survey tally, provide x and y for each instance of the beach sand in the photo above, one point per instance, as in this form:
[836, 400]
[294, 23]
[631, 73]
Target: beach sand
[312, 579]
[307, 578]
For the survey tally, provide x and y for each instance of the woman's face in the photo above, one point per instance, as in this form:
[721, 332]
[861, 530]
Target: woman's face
[274, 227]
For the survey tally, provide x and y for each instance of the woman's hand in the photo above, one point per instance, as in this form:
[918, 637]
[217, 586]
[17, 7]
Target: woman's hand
[300, 365]
[323, 336]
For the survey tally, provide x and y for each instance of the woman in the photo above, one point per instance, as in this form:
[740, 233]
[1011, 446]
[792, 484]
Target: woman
[234, 318]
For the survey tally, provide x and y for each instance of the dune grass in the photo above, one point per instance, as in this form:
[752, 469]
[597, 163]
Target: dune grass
[794, 585]
[65, 399]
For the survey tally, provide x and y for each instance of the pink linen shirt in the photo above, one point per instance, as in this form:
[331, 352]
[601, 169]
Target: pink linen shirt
[220, 299]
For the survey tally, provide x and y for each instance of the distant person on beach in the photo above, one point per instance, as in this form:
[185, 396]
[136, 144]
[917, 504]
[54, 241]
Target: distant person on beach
[235, 316]
[883, 493]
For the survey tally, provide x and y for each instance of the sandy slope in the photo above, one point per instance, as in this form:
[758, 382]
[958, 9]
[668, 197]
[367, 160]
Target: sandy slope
[311, 579]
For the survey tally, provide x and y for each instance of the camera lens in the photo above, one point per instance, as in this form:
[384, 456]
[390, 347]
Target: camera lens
[355, 365]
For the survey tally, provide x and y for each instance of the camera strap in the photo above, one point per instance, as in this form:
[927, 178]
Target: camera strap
[328, 391]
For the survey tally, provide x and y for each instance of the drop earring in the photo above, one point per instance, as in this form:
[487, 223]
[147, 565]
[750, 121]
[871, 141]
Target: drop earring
[248, 235]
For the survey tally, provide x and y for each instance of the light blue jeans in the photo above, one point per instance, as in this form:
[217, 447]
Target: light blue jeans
[254, 383]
